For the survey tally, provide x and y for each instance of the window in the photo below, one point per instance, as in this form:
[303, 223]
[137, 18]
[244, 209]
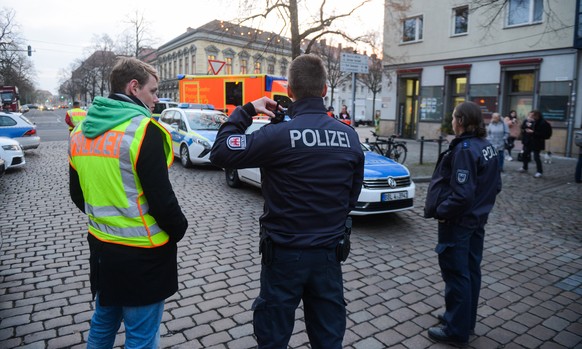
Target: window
[257, 67]
[412, 29]
[180, 66]
[243, 66]
[228, 66]
[270, 68]
[186, 66]
[210, 58]
[485, 95]
[524, 12]
[520, 91]
[460, 20]
[554, 99]
[193, 64]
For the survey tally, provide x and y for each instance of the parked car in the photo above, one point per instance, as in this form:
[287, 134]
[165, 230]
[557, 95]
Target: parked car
[387, 184]
[163, 104]
[193, 132]
[18, 127]
[11, 152]
[2, 167]
[24, 108]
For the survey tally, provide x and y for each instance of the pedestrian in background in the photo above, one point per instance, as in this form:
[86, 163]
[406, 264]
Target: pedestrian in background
[119, 158]
[512, 123]
[304, 234]
[535, 130]
[344, 116]
[75, 116]
[460, 196]
[497, 133]
[330, 111]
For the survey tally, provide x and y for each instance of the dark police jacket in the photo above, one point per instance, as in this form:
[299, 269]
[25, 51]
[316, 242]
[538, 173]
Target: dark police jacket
[312, 168]
[465, 183]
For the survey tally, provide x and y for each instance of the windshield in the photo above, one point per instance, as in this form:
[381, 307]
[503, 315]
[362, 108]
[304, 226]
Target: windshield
[205, 121]
[7, 96]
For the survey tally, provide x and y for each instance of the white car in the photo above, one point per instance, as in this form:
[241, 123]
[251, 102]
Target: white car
[387, 184]
[11, 152]
[19, 128]
[193, 132]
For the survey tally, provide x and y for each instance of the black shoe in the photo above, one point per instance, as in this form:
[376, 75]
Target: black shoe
[437, 334]
[441, 318]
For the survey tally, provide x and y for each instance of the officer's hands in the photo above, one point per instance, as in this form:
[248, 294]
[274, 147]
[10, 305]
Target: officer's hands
[265, 106]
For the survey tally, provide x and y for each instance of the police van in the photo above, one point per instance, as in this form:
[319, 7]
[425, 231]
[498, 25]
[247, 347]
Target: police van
[162, 105]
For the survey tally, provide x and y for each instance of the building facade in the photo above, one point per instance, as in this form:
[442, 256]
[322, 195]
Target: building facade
[516, 55]
[243, 50]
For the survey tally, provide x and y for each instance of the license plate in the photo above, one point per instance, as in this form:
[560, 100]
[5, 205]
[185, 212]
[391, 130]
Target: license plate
[399, 195]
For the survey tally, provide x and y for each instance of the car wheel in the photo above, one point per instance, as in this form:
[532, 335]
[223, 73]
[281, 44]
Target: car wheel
[185, 156]
[232, 178]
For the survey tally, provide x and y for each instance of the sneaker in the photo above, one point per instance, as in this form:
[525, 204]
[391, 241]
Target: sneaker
[508, 158]
[521, 170]
[537, 175]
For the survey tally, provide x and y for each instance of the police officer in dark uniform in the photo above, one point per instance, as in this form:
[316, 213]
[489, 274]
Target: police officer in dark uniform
[461, 195]
[312, 172]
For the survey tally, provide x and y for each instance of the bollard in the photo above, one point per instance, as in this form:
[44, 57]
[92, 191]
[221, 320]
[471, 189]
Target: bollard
[421, 148]
[440, 143]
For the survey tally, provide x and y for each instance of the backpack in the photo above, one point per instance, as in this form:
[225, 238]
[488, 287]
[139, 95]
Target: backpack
[547, 130]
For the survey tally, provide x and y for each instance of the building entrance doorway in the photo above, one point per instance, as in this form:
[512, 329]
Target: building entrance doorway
[407, 122]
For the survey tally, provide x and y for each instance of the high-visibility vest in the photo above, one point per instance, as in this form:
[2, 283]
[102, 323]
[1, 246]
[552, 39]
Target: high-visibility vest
[77, 115]
[114, 198]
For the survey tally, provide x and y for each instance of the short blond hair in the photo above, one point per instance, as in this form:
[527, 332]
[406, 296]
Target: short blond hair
[127, 69]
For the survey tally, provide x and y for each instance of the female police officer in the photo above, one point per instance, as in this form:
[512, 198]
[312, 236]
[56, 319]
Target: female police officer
[461, 195]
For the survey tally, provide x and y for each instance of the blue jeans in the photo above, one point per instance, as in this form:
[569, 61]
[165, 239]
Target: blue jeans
[460, 253]
[313, 275]
[142, 326]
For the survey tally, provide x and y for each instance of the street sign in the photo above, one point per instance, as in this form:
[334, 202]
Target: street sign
[216, 66]
[353, 63]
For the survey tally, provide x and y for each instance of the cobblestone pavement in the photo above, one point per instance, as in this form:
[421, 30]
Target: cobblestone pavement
[532, 269]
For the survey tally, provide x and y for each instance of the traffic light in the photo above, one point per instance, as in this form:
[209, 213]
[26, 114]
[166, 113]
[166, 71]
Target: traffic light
[29, 50]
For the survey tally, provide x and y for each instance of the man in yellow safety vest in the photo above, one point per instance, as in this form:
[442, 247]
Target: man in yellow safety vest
[119, 159]
[75, 116]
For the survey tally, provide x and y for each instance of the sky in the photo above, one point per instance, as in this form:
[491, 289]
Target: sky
[61, 31]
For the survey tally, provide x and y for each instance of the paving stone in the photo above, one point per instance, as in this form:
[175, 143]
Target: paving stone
[392, 280]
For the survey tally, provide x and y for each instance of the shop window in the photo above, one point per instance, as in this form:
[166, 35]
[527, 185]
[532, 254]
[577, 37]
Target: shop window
[554, 99]
[521, 12]
[485, 95]
[431, 103]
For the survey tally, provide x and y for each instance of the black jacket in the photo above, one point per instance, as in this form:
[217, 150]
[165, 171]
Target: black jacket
[536, 140]
[131, 276]
[312, 170]
[465, 183]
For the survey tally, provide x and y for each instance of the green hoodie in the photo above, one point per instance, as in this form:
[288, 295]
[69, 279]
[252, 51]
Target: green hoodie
[106, 113]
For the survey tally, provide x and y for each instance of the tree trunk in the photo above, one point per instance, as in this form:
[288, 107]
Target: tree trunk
[295, 37]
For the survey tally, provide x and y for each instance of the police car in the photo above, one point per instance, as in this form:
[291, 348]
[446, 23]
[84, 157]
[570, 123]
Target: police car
[387, 184]
[193, 132]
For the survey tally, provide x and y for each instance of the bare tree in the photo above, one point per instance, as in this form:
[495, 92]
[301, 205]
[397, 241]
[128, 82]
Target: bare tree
[15, 68]
[373, 80]
[331, 58]
[302, 26]
[138, 35]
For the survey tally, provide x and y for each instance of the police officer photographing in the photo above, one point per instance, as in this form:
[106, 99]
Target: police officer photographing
[312, 171]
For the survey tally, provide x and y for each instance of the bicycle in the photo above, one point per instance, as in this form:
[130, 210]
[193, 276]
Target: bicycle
[389, 147]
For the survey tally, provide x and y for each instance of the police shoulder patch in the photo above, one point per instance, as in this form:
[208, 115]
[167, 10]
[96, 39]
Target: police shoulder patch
[236, 142]
[462, 176]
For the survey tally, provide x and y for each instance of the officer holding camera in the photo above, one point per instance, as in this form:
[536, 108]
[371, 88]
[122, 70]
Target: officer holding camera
[312, 171]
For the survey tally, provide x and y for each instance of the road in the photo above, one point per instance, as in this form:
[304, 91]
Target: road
[50, 125]
[532, 269]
